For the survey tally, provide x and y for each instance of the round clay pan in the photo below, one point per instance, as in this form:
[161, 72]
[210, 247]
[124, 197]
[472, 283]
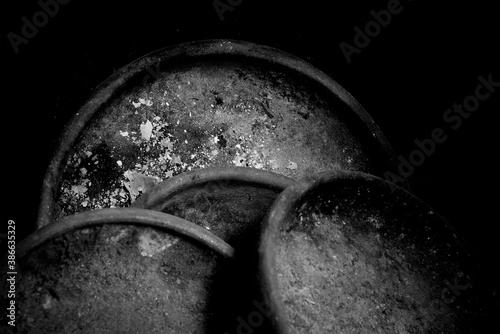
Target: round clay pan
[230, 202]
[117, 271]
[207, 104]
[347, 252]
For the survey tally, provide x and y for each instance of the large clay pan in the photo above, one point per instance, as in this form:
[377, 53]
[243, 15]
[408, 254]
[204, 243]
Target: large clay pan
[207, 104]
[346, 252]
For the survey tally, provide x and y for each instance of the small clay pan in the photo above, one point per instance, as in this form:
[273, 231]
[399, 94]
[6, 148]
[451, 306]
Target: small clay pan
[230, 202]
[347, 252]
[116, 271]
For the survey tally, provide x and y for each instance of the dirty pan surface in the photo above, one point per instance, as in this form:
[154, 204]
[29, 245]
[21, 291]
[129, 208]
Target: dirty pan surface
[352, 259]
[117, 278]
[211, 112]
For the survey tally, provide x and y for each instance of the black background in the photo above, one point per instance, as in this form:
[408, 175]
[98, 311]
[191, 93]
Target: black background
[424, 61]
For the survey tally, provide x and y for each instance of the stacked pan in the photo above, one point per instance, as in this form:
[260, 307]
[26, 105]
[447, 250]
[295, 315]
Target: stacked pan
[226, 187]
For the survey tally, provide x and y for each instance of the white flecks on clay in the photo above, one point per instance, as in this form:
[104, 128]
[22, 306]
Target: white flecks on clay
[80, 189]
[237, 132]
[137, 183]
[122, 233]
[146, 130]
[152, 243]
[49, 302]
